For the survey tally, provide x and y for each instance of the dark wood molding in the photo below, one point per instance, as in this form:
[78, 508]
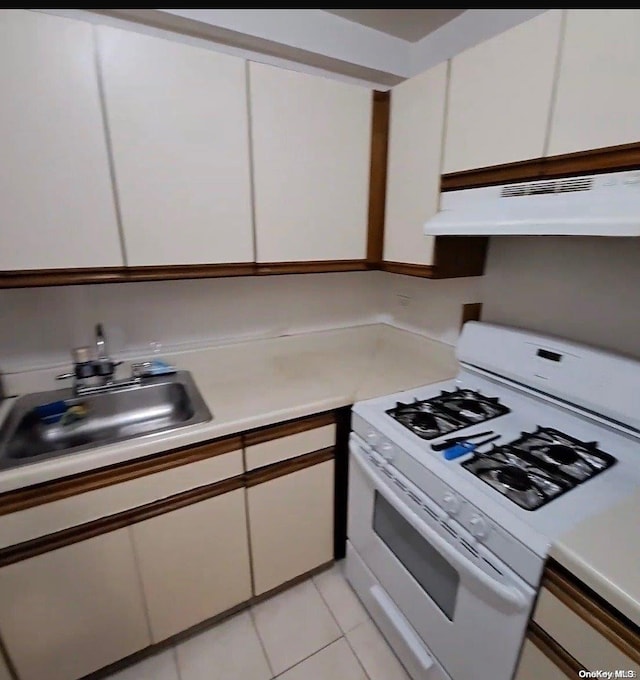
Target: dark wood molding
[472, 311]
[423, 270]
[456, 256]
[71, 277]
[60, 539]
[31, 278]
[189, 271]
[378, 177]
[591, 162]
[57, 489]
[310, 267]
[593, 609]
[553, 651]
[265, 434]
[341, 482]
[287, 467]
[453, 257]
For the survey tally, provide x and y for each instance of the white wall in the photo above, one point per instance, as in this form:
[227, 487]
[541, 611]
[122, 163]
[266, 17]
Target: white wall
[585, 289]
[38, 326]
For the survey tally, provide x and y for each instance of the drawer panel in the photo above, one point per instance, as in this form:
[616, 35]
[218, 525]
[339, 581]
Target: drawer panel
[578, 637]
[42, 520]
[276, 450]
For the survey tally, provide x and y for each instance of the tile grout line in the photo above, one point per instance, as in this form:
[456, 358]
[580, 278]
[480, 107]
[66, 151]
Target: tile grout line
[174, 649]
[261, 641]
[344, 633]
[306, 658]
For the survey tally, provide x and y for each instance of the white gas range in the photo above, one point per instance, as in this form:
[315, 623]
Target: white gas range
[447, 554]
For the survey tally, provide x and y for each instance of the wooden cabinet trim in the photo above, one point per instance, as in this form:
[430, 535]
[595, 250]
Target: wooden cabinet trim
[623, 634]
[46, 492]
[378, 176]
[310, 267]
[60, 539]
[592, 162]
[70, 277]
[553, 651]
[424, 270]
[286, 467]
[266, 434]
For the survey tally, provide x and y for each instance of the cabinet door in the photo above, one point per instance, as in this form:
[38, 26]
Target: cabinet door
[598, 92]
[56, 198]
[194, 562]
[178, 123]
[291, 525]
[72, 611]
[415, 155]
[500, 96]
[311, 146]
[535, 665]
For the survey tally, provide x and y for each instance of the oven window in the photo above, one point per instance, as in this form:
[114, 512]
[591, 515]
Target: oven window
[436, 576]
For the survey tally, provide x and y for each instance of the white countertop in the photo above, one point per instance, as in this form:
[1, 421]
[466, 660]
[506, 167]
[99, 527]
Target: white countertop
[604, 553]
[261, 382]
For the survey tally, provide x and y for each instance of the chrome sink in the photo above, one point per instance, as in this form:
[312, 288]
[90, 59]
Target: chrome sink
[156, 404]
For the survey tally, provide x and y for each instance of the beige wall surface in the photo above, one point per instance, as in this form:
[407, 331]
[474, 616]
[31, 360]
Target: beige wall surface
[38, 326]
[584, 289]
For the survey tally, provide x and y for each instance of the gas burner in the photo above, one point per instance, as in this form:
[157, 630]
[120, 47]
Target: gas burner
[525, 484]
[470, 406]
[423, 419]
[448, 412]
[563, 454]
[539, 466]
[513, 478]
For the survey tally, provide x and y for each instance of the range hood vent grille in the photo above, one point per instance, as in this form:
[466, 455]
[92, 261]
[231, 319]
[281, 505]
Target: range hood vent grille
[552, 186]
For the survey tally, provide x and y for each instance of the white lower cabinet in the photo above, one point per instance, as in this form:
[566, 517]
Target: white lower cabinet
[194, 562]
[535, 665]
[291, 525]
[71, 611]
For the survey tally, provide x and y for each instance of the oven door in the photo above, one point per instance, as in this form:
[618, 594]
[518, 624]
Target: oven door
[471, 615]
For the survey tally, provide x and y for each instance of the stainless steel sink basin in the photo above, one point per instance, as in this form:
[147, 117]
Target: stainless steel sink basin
[158, 404]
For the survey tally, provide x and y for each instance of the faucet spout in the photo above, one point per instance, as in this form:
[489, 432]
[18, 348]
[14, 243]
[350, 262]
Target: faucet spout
[101, 345]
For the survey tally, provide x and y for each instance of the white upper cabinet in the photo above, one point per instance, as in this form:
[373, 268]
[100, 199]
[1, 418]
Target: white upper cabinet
[598, 92]
[500, 96]
[178, 123]
[413, 174]
[56, 200]
[311, 147]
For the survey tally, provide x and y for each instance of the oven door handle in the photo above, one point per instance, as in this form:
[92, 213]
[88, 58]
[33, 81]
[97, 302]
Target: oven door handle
[503, 597]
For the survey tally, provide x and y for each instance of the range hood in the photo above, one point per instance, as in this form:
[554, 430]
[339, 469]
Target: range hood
[591, 205]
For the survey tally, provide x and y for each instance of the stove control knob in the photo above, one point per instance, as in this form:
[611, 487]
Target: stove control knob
[451, 504]
[386, 451]
[479, 527]
[372, 437]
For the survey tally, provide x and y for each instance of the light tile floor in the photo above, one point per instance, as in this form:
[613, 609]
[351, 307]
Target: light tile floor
[317, 630]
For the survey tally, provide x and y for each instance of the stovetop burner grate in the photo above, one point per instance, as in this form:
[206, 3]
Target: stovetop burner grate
[539, 466]
[446, 413]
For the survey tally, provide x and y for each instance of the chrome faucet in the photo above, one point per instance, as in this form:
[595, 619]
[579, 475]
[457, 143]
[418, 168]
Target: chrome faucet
[101, 350]
[102, 367]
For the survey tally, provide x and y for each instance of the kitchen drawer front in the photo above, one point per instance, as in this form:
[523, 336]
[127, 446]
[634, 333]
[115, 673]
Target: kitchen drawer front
[276, 450]
[578, 636]
[49, 518]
